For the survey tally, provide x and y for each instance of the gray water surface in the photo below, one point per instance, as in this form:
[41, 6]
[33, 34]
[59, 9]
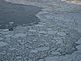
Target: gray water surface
[19, 14]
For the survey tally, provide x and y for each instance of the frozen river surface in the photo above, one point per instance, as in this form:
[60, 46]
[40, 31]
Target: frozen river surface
[57, 37]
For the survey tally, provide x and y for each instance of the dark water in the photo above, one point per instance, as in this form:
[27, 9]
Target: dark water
[19, 14]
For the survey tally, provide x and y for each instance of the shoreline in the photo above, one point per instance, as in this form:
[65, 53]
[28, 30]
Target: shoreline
[49, 6]
[27, 3]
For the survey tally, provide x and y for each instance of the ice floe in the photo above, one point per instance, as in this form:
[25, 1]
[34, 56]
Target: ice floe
[3, 44]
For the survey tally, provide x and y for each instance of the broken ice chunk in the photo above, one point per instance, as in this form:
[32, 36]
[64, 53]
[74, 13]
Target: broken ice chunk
[32, 30]
[11, 23]
[1, 38]
[42, 32]
[39, 25]
[79, 41]
[79, 47]
[61, 33]
[42, 48]
[3, 44]
[20, 35]
[52, 32]
[5, 30]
